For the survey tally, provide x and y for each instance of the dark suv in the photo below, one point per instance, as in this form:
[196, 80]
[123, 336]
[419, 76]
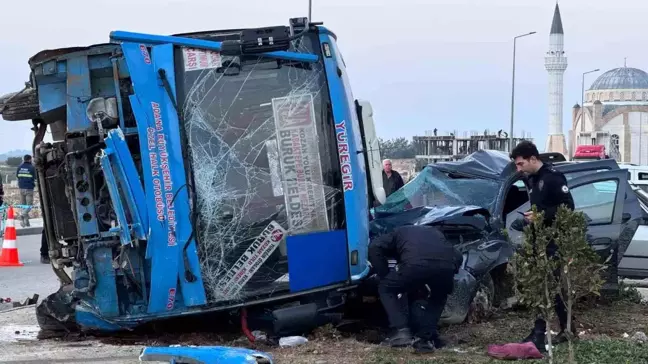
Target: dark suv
[473, 200]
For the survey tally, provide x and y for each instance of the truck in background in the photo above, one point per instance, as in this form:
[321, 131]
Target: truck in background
[590, 153]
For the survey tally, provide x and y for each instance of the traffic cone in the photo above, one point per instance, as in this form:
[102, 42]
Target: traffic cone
[9, 256]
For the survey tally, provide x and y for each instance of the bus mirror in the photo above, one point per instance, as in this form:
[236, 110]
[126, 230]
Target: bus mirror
[372, 150]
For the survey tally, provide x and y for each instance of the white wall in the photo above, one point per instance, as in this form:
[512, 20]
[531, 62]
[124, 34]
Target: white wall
[638, 123]
[615, 126]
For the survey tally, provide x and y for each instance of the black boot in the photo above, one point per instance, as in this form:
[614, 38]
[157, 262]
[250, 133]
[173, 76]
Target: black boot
[400, 338]
[424, 346]
[438, 343]
[537, 335]
[428, 344]
[562, 335]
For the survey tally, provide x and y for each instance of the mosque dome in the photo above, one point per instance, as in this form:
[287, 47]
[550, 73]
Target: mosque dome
[627, 78]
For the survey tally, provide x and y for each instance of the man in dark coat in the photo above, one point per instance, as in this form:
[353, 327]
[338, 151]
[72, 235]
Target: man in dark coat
[392, 180]
[427, 263]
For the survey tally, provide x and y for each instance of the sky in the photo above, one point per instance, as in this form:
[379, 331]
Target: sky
[423, 64]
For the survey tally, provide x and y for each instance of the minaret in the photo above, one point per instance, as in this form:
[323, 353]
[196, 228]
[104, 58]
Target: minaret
[556, 64]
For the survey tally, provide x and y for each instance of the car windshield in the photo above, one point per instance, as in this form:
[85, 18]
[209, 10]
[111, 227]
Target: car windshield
[432, 187]
[262, 152]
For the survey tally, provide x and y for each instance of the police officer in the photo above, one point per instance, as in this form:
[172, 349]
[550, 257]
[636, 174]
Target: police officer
[26, 174]
[548, 191]
[427, 263]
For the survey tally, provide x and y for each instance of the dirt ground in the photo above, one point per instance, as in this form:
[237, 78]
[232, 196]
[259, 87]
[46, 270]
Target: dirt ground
[601, 326]
[467, 343]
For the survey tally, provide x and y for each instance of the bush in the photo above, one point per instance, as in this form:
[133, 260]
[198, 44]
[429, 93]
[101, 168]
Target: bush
[573, 272]
[14, 161]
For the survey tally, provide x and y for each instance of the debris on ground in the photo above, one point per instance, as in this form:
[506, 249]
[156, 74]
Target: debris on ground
[639, 337]
[18, 333]
[513, 351]
[291, 341]
[603, 325]
[8, 303]
[204, 354]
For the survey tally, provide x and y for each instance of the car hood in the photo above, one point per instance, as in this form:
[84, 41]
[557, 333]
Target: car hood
[431, 215]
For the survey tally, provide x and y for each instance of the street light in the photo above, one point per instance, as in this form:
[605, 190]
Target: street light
[583, 91]
[513, 90]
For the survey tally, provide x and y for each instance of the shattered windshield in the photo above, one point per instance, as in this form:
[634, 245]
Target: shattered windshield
[262, 148]
[432, 187]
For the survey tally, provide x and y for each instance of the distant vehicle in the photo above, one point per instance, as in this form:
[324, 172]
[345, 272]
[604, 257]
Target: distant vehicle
[637, 175]
[590, 153]
[552, 157]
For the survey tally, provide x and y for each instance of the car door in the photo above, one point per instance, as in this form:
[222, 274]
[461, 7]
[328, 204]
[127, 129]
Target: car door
[634, 261]
[600, 196]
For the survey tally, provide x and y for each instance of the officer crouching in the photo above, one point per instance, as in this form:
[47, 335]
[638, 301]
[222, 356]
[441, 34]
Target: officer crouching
[419, 288]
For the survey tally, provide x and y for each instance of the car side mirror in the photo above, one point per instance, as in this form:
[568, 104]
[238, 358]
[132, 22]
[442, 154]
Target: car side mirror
[625, 217]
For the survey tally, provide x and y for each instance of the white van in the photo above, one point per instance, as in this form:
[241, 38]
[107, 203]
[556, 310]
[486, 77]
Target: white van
[637, 175]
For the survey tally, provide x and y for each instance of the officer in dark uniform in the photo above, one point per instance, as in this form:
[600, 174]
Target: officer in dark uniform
[427, 263]
[548, 190]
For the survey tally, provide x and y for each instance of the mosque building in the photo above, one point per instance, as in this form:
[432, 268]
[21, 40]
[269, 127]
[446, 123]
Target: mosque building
[614, 111]
[614, 114]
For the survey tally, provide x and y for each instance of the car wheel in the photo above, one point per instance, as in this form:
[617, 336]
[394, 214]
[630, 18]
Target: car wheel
[481, 307]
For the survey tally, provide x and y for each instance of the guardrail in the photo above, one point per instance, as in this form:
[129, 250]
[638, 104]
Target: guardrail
[17, 206]
[3, 214]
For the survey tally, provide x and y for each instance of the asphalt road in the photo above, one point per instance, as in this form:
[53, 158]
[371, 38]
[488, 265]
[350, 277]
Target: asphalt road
[19, 283]
[18, 327]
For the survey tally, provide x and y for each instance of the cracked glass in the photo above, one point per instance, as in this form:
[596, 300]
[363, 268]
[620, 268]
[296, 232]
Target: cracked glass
[432, 187]
[263, 163]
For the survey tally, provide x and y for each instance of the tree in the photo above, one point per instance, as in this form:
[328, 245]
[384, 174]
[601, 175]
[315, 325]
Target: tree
[535, 285]
[574, 272]
[396, 148]
[14, 161]
[580, 266]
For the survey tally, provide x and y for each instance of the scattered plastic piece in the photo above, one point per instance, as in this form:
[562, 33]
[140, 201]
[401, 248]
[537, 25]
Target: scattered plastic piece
[514, 351]
[292, 341]
[639, 337]
[259, 335]
[204, 355]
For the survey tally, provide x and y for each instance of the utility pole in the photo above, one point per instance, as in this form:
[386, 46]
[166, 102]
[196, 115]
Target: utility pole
[513, 89]
[583, 97]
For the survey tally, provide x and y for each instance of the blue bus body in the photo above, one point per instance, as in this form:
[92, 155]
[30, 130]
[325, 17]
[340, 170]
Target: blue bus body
[184, 179]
